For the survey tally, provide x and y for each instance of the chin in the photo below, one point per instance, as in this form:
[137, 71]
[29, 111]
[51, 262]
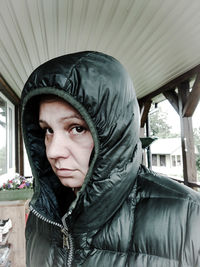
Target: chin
[71, 182]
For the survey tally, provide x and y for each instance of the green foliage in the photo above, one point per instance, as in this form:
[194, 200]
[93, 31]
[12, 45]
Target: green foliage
[197, 144]
[197, 138]
[158, 125]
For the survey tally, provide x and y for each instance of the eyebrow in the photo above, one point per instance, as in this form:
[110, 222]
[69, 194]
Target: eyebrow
[65, 118]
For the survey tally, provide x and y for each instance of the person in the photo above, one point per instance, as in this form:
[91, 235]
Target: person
[94, 204]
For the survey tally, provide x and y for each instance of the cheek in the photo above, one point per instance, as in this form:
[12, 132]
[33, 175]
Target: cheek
[85, 145]
[86, 154]
[89, 148]
[90, 143]
[46, 144]
[47, 152]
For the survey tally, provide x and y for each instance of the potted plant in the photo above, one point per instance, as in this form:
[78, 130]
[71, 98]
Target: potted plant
[17, 188]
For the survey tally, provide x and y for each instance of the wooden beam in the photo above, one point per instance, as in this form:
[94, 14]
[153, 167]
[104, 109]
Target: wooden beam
[193, 98]
[8, 92]
[172, 84]
[173, 99]
[145, 107]
[187, 139]
[183, 93]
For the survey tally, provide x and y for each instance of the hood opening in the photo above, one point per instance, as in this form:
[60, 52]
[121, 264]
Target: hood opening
[49, 193]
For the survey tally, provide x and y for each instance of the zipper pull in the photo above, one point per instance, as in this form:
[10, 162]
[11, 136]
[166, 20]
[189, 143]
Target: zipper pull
[65, 238]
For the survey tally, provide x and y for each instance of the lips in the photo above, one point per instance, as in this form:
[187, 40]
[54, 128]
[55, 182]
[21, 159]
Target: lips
[65, 173]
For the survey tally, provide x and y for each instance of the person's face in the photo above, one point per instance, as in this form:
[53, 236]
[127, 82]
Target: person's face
[68, 141]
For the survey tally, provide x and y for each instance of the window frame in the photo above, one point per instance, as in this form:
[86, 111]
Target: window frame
[10, 94]
[10, 138]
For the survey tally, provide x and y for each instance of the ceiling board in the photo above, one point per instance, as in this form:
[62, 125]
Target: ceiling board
[156, 40]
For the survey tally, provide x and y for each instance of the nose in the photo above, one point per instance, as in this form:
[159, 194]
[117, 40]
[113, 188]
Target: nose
[58, 147]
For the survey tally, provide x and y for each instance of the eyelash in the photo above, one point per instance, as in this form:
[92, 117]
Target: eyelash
[46, 129]
[49, 131]
[80, 127]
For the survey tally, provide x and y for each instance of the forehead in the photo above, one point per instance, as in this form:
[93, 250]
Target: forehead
[57, 107]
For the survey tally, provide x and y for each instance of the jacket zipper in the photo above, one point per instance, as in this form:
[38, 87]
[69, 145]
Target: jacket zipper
[67, 237]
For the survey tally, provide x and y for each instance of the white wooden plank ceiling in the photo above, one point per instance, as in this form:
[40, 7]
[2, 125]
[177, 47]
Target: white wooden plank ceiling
[156, 40]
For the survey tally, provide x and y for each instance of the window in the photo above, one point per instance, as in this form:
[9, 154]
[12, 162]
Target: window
[178, 160]
[162, 160]
[7, 139]
[174, 161]
[154, 160]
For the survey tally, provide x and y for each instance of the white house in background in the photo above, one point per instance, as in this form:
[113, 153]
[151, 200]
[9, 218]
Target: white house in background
[167, 157]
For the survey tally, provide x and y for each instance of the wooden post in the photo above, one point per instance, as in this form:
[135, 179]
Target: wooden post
[144, 160]
[149, 156]
[187, 140]
[144, 111]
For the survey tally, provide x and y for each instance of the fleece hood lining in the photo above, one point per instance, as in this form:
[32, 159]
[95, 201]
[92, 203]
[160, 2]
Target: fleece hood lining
[86, 117]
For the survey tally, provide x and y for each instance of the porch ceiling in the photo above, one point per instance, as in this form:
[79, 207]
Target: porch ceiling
[156, 40]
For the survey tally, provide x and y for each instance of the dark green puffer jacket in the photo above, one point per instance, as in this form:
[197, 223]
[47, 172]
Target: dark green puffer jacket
[124, 214]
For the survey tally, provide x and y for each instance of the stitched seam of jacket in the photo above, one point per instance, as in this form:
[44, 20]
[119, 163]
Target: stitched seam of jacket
[132, 252]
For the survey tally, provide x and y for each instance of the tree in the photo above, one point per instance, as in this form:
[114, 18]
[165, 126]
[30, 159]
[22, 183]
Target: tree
[197, 144]
[158, 124]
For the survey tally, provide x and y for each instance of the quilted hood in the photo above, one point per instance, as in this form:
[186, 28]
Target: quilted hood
[99, 87]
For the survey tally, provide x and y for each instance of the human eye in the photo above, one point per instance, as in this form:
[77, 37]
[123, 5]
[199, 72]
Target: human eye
[47, 131]
[78, 130]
